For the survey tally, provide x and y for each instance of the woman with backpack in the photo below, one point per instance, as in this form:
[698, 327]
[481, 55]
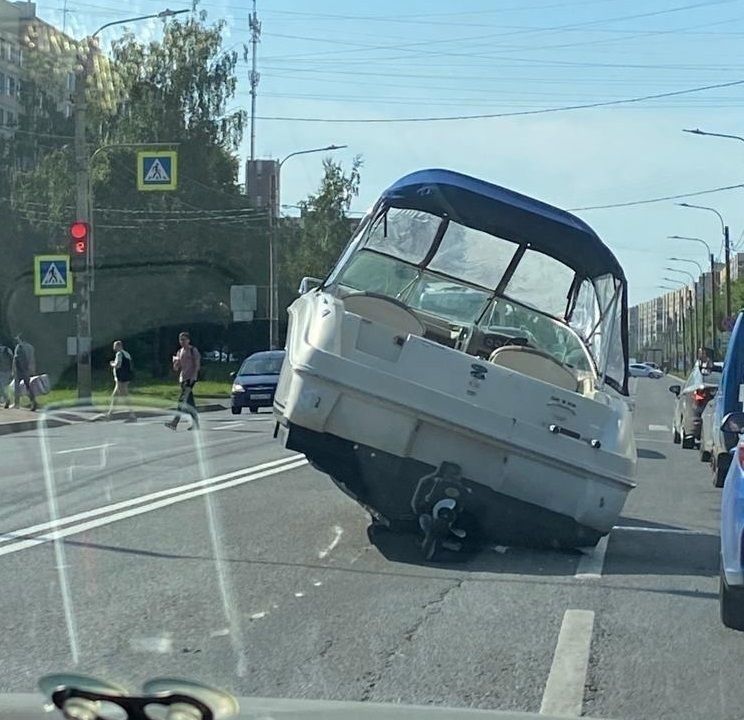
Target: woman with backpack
[123, 374]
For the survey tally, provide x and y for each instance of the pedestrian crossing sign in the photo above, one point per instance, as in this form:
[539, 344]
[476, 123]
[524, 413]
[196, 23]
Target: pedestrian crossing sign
[157, 170]
[52, 275]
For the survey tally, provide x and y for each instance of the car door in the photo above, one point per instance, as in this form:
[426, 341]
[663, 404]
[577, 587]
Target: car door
[685, 401]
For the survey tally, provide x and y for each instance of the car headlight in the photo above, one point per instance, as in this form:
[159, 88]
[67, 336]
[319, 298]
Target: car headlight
[237, 388]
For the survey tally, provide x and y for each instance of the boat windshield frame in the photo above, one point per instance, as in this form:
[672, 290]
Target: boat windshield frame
[597, 283]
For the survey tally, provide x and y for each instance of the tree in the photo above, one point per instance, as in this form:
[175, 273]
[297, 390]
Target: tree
[325, 225]
[161, 258]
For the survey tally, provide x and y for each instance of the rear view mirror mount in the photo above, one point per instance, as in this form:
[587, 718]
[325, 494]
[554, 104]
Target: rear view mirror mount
[307, 284]
[733, 423]
[676, 389]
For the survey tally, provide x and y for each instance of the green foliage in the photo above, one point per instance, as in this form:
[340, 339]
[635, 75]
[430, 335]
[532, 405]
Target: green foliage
[325, 228]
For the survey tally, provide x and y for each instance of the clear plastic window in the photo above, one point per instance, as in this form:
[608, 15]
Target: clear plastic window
[542, 282]
[473, 256]
[405, 234]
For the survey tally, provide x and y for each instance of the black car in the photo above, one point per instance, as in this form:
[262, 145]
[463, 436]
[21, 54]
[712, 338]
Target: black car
[254, 384]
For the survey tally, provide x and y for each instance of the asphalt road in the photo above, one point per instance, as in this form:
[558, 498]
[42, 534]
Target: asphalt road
[222, 557]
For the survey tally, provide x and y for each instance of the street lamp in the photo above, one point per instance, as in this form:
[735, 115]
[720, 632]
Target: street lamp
[82, 196]
[675, 305]
[712, 285]
[727, 249]
[693, 331]
[275, 195]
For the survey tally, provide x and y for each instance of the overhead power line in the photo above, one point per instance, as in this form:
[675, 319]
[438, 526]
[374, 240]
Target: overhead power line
[649, 201]
[517, 113]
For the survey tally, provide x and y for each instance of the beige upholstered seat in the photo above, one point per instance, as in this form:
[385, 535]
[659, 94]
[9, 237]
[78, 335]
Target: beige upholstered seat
[386, 311]
[534, 364]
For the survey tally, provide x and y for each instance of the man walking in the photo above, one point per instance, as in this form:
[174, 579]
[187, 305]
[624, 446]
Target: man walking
[123, 373]
[6, 372]
[24, 365]
[187, 363]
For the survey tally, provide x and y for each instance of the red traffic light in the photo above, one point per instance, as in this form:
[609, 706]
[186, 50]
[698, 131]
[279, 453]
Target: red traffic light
[79, 232]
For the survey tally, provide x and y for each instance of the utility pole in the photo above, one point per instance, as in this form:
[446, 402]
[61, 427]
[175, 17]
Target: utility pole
[727, 246]
[82, 183]
[713, 304]
[255, 27]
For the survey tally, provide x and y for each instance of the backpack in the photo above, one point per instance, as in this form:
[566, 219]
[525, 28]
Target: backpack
[125, 372]
[6, 359]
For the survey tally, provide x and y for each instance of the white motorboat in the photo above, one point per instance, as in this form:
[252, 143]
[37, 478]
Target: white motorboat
[467, 326]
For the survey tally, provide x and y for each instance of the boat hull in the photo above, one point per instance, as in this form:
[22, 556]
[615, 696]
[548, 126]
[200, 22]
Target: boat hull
[383, 484]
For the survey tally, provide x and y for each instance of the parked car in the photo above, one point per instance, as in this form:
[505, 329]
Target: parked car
[652, 365]
[716, 445]
[731, 583]
[692, 397]
[254, 384]
[643, 370]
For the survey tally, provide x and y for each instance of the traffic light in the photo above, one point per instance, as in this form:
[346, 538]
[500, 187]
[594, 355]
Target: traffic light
[79, 237]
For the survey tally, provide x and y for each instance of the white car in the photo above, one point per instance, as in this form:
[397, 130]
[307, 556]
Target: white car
[652, 365]
[644, 370]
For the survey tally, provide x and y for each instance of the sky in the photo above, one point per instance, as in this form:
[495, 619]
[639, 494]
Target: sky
[394, 60]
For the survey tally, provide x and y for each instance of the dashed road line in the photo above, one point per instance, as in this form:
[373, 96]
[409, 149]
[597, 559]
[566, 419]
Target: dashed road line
[591, 563]
[659, 428]
[564, 690]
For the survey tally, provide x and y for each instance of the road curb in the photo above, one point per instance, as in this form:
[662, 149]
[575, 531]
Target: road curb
[25, 425]
[68, 418]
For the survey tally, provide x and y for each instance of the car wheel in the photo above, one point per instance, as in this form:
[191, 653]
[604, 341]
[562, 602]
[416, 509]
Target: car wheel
[688, 442]
[676, 439]
[722, 464]
[731, 600]
[236, 410]
[704, 454]
[253, 410]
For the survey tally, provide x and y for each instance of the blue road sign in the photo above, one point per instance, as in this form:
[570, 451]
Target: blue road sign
[157, 170]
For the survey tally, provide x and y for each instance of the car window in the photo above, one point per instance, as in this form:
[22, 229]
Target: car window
[262, 365]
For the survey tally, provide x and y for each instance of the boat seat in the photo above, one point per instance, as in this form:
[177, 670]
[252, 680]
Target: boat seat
[384, 310]
[536, 364]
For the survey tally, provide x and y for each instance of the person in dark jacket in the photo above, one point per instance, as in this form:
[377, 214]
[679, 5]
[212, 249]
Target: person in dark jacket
[123, 373]
[6, 373]
[23, 367]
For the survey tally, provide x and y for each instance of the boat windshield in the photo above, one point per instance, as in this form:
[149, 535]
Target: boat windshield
[467, 276]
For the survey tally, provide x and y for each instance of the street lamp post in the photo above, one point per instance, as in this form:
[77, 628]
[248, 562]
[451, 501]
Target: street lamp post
[83, 203]
[693, 328]
[273, 208]
[679, 306]
[712, 285]
[701, 313]
[727, 249]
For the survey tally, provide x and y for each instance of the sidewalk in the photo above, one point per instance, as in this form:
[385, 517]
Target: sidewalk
[21, 420]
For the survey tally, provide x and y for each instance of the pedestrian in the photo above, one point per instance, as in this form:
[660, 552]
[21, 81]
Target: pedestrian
[6, 372]
[123, 374]
[24, 365]
[187, 363]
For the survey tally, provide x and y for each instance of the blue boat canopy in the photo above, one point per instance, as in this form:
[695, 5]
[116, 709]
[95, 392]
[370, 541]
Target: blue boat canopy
[507, 214]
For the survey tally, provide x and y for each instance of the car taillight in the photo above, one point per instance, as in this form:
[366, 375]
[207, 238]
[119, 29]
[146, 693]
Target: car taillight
[699, 396]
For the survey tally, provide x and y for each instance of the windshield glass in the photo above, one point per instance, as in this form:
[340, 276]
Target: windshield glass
[262, 365]
[314, 324]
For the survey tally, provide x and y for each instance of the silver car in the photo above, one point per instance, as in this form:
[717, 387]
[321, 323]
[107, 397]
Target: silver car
[692, 398]
[715, 443]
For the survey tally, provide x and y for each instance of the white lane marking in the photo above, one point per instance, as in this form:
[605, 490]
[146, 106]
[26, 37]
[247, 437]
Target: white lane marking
[140, 510]
[228, 424]
[591, 563]
[338, 532]
[84, 449]
[33, 529]
[672, 531]
[159, 645]
[564, 690]
[659, 428]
